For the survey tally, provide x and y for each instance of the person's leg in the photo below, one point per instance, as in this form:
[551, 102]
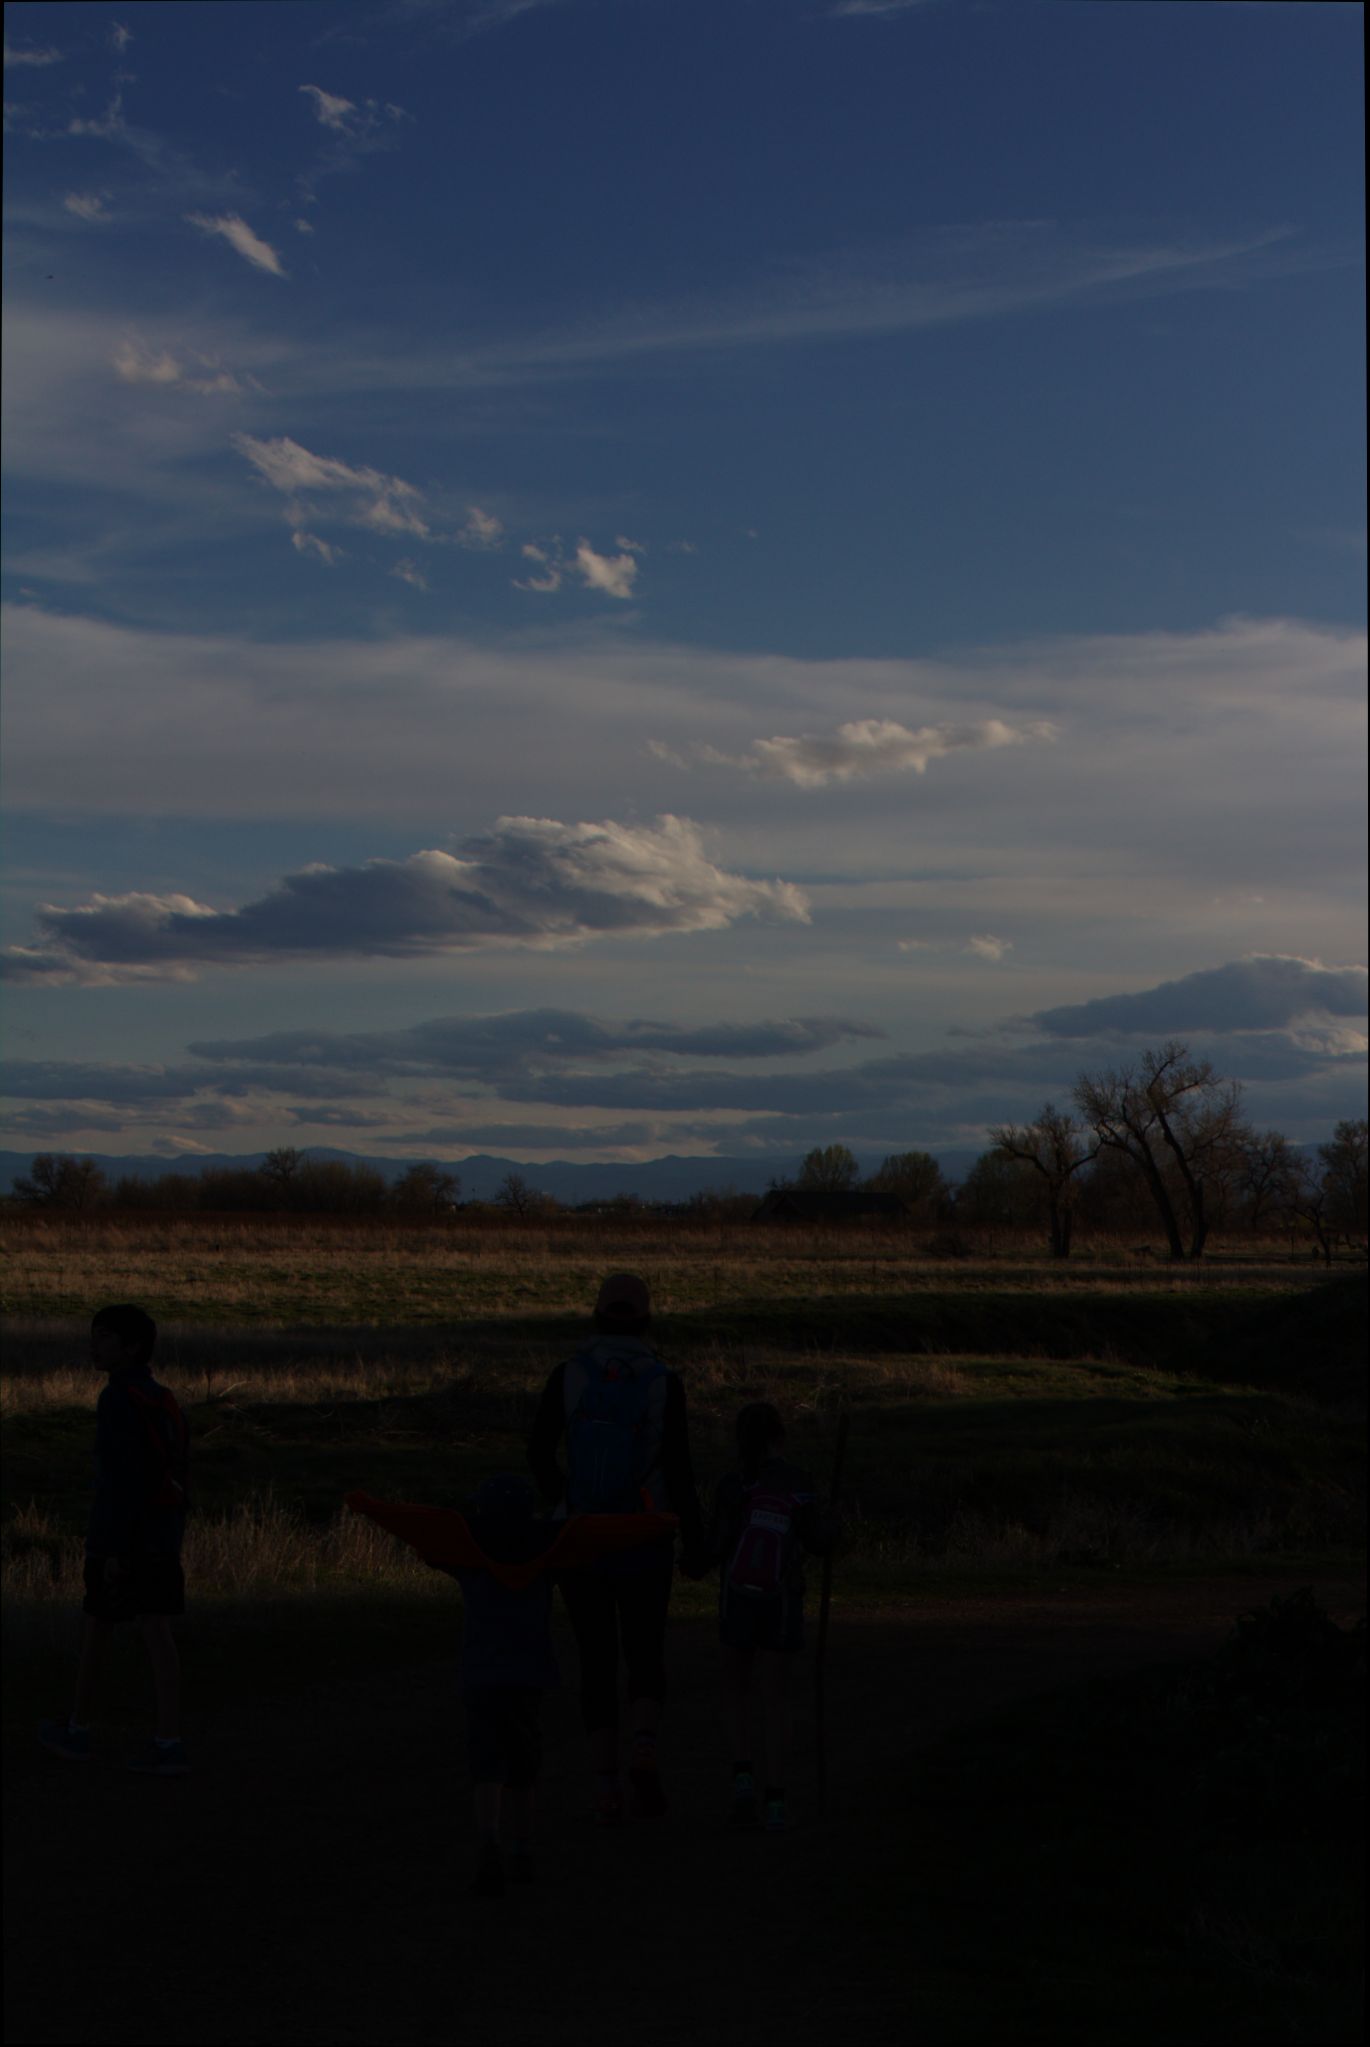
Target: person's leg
[95, 1636]
[590, 1609]
[523, 1761]
[737, 1683]
[164, 1657]
[643, 1602]
[487, 1798]
[774, 1674]
[518, 1804]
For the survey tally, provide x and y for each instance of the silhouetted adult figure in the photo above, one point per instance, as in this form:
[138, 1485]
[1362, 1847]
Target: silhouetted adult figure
[622, 1414]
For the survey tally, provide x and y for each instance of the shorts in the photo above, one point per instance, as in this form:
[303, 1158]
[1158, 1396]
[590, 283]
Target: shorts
[773, 1622]
[153, 1583]
[504, 1734]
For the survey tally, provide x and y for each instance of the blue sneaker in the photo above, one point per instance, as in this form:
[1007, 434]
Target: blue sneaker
[160, 1760]
[58, 1739]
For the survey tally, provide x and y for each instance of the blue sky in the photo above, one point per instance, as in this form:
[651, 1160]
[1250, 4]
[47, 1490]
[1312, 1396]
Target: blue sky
[805, 556]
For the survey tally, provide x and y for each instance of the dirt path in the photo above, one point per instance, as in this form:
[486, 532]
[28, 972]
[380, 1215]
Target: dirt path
[308, 1882]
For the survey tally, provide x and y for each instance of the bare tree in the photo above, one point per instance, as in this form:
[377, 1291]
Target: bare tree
[1329, 1191]
[1344, 1170]
[1268, 1172]
[282, 1167]
[1056, 1147]
[831, 1167]
[915, 1177]
[515, 1194]
[425, 1188]
[1179, 1123]
[56, 1181]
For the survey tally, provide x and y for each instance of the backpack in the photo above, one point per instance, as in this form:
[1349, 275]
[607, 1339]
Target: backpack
[608, 1433]
[763, 1557]
[165, 1428]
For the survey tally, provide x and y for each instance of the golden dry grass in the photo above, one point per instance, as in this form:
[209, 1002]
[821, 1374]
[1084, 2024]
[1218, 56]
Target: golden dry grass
[305, 1270]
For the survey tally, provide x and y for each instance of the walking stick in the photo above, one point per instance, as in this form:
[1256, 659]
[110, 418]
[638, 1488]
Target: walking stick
[824, 1605]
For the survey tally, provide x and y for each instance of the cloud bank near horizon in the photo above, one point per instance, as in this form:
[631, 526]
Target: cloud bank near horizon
[585, 1082]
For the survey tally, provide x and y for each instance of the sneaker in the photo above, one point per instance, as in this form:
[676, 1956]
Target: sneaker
[488, 1881]
[609, 1808]
[522, 1866]
[160, 1760]
[648, 1798]
[774, 1818]
[58, 1739]
[744, 1812]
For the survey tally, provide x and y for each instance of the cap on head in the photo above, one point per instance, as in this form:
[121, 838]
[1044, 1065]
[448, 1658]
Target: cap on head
[624, 1297]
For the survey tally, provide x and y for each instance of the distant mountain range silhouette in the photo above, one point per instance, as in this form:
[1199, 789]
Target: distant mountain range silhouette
[672, 1178]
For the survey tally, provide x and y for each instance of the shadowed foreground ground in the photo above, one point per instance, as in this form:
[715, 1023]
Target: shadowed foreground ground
[308, 1883]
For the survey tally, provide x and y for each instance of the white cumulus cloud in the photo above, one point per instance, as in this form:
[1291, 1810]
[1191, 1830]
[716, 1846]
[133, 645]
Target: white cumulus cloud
[530, 881]
[387, 504]
[482, 529]
[86, 205]
[614, 574]
[239, 236]
[985, 946]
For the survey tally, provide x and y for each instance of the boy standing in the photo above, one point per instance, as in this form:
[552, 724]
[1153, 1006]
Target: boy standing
[765, 1516]
[133, 1541]
[503, 1555]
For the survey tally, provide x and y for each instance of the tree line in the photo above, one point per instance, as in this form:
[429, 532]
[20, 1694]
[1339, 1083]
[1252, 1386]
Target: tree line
[1162, 1143]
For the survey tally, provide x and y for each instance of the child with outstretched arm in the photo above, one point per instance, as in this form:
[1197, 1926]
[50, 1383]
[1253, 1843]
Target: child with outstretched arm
[766, 1515]
[133, 1539]
[502, 1554]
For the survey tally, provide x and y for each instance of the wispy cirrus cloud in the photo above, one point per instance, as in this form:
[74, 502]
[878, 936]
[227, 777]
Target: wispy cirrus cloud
[531, 881]
[483, 1048]
[233, 229]
[941, 277]
[36, 55]
[846, 10]
[310, 544]
[861, 748]
[137, 364]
